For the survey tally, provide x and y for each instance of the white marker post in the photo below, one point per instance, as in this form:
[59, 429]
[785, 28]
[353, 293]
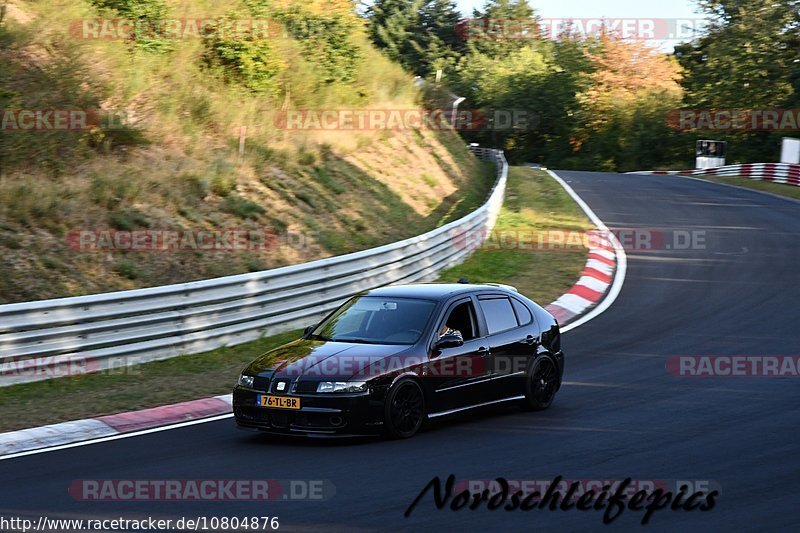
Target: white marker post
[242, 136]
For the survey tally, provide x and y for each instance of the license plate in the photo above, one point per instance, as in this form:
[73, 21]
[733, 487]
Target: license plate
[278, 402]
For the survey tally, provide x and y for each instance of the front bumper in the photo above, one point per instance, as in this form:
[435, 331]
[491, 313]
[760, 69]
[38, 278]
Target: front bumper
[319, 415]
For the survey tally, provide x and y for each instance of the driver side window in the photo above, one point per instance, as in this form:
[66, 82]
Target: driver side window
[462, 318]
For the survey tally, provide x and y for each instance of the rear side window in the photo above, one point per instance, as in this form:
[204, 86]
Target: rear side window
[499, 314]
[523, 313]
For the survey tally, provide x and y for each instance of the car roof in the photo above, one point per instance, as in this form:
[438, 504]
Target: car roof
[435, 291]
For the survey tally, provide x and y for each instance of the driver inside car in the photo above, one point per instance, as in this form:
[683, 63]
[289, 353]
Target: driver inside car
[447, 330]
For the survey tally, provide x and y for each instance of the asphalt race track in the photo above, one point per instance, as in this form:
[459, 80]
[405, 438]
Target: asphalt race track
[620, 413]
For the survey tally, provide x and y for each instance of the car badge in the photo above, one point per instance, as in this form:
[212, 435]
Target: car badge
[281, 385]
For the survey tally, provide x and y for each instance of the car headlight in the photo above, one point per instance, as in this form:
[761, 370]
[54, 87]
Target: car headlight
[246, 381]
[342, 386]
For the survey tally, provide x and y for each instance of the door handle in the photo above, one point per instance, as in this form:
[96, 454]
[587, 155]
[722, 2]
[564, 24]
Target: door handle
[530, 339]
[483, 350]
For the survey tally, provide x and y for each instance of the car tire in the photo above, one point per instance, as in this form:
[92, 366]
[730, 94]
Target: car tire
[404, 409]
[541, 384]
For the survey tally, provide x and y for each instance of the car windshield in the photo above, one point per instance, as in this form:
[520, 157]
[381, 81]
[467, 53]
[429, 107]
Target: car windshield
[377, 320]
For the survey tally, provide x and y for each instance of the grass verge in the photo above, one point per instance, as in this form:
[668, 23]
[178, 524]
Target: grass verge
[781, 189]
[534, 201]
[138, 387]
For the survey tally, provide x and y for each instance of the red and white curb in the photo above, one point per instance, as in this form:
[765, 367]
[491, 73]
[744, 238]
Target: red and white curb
[598, 286]
[594, 281]
[16, 442]
[787, 173]
[601, 279]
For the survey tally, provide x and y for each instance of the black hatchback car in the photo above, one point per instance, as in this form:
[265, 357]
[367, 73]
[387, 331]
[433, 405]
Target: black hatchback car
[390, 358]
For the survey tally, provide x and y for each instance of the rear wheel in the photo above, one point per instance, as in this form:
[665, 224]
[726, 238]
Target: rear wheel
[405, 409]
[541, 384]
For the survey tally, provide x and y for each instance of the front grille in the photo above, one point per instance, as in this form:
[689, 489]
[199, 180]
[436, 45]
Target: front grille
[305, 387]
[279, 419]
[290, 419]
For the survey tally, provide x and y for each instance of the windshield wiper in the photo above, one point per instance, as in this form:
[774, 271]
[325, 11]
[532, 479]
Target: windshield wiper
[356, 341]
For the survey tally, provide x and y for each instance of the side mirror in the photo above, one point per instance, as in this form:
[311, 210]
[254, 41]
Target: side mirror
[448, 341]
[308, 330]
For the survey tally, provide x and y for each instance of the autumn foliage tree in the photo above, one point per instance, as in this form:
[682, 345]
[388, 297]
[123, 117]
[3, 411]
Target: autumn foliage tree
[622, 118]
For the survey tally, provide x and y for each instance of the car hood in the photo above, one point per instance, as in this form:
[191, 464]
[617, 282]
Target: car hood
[322, 360]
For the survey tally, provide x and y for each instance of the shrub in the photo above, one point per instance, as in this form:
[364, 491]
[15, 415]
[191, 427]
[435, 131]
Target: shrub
[326, 41]
[126, 269]
[110, 192]
[247, 60]
[26, 203]
[196, 187]
[223, 184]
[223, 178]
[145, 34]
[306, 158]
[241, 207]
[128, 220]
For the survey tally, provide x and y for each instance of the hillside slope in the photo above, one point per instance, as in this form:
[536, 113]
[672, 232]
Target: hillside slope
[163, 156]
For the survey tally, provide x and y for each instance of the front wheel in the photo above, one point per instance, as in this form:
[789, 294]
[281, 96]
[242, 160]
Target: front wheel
[405, 409]
[541, 384]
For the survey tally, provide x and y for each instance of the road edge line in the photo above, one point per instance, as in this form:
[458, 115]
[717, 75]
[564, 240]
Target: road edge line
[621, 259]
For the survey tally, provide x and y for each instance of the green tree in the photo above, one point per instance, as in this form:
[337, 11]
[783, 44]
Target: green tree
[443, 46]
[394, 26]
[497, 24]
[440, 19]
[422, 35]
[747, 59]
[504, 89]
[748, 56]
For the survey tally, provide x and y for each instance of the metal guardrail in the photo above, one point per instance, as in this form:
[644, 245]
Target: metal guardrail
[54, 338]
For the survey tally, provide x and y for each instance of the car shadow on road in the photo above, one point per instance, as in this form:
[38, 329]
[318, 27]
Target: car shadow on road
[494, 415]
